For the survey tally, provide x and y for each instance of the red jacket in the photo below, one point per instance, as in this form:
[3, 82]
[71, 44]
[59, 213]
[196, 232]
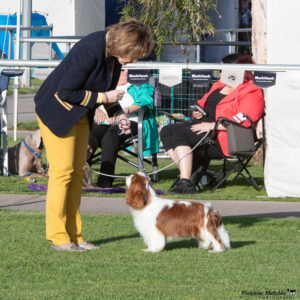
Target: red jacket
[246, 99]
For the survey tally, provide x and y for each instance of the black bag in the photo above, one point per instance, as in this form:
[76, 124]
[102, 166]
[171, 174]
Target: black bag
[241, 140]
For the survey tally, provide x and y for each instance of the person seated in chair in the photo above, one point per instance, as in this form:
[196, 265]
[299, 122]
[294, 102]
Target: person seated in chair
[221, 101]
[107, 136]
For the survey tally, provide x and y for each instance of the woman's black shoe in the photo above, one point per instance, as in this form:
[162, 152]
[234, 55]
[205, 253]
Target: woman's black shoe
[103, 183]
[184, 186]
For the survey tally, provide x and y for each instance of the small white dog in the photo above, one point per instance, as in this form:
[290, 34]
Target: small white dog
[158, 219]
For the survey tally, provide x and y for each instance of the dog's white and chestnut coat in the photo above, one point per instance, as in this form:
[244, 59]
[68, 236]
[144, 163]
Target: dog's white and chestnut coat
[158, 219]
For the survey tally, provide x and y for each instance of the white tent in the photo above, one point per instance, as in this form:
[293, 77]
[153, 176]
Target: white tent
[283, 101]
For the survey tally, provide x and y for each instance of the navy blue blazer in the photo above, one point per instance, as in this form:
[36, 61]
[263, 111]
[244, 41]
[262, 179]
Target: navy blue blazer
[72, 88]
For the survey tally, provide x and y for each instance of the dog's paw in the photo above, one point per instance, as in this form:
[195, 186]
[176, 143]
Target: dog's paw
[205, 245]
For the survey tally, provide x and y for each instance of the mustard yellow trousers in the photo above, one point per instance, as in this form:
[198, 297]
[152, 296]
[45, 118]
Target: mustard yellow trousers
[66, 158]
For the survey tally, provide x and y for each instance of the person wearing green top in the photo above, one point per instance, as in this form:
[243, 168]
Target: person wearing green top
[106, 135]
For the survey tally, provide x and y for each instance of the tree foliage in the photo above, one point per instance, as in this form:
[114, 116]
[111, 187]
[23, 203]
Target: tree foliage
[173, 20]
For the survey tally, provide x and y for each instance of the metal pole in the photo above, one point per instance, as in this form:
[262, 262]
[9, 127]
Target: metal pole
[16, 57]
[9, 44]
[160, 65]
[198, 54]
[50, 45]
[26, 47]
[50, 51]
[231, 39]
[68, 47]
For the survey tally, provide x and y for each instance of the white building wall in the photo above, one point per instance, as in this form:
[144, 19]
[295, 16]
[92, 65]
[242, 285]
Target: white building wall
[89, 16]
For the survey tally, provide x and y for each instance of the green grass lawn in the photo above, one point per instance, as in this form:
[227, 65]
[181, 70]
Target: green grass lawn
[35, 85]
[239, 190]
[31, 126]
[264, 257]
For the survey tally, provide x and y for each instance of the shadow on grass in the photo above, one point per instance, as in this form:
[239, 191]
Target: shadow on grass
[115, 238]
[243, 182]
[237, 244]
[239, 182]
[189, 243]
[193, 243]
[243, 222]
[168, 174]
[280, 215]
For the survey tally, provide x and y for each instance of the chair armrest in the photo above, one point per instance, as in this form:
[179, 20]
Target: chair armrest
[12, 72]
[141, 116]
[142, 112]
[225, 122]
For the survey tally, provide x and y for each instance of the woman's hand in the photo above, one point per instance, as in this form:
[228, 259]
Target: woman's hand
[197, 114]
[113, 96]
[203, 127]
[100, 116]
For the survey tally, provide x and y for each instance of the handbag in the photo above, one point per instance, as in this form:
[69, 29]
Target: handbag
[241, 140]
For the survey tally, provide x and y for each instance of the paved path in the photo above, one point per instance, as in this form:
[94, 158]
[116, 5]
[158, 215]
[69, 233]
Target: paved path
[26, 112]
[105, 205]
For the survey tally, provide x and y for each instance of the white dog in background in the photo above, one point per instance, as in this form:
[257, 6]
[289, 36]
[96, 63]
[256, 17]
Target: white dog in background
[158, 219]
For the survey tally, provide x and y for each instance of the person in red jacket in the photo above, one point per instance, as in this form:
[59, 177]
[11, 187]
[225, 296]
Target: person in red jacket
[221, 101]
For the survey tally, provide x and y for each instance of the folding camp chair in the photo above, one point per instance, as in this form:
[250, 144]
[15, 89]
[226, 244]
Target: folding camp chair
[242, 148]
[138, 153]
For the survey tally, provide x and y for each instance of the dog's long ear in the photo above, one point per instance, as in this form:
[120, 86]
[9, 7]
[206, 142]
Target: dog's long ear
[137, 194]
[37, 140]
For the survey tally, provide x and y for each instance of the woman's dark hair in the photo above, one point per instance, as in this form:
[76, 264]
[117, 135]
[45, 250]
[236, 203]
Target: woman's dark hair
[230, 58]
[240, 59]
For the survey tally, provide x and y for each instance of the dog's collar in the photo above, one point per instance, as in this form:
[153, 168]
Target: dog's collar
[30, 149]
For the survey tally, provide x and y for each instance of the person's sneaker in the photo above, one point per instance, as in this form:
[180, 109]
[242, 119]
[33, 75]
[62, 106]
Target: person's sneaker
[184, 186]
[88, 246]
[67, 247]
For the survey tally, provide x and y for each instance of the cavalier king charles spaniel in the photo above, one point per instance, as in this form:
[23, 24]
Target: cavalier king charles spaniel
[159, 219]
